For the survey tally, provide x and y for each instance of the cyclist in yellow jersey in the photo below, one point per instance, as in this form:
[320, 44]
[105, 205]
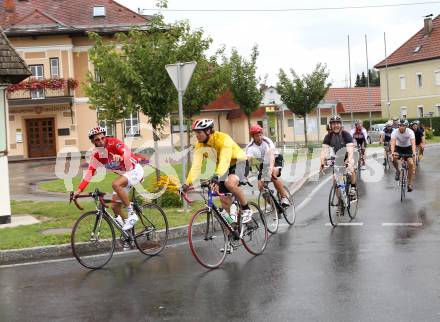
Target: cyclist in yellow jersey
[231, 164]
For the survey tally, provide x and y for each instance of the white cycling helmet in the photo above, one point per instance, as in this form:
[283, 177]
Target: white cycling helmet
[202, 124]
[389, 123]
[96, 130]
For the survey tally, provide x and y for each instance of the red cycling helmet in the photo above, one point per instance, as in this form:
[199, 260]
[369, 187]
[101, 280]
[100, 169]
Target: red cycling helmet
[255, 129]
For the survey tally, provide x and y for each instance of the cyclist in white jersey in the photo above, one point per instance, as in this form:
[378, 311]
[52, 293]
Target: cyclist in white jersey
[403, 142]
[263, 149]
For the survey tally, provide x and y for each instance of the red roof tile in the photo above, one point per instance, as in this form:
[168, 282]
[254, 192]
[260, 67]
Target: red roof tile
[223, 102]
[354, 99]
[75, 13]
[429, 47]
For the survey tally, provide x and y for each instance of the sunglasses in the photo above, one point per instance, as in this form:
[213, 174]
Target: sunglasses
[99, 139]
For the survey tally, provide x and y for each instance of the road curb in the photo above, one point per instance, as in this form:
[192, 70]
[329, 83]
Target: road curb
[35, 254]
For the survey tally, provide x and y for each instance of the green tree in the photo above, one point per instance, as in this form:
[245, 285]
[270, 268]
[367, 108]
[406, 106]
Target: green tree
[358, 81]
[361, 81]
[134, 75]
[303, 94]
[244, 82]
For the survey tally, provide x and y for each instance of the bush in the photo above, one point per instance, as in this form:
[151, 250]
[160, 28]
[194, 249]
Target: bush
[429, 134]
[170, 200]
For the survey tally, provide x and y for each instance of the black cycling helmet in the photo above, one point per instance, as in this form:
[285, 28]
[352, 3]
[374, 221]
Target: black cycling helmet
[334, 119]
[403, 122]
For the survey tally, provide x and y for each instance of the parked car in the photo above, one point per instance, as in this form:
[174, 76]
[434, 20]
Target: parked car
[374, 132]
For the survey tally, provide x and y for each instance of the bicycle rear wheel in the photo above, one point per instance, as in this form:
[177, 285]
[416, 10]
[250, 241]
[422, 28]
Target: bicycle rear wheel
[255, 233]
[269, 209]
[151, 230]
[208, 238]
[289, 212]
[93, 240]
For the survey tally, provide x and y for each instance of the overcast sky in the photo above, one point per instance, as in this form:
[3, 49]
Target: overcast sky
[301, 39]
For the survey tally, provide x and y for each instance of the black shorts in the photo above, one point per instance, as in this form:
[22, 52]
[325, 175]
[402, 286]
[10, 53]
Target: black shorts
[362, 142]
[241, 169]
[278, 163]
[404, 150]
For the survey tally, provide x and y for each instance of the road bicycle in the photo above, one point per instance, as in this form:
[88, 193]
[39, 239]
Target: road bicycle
[339, 200]
[272, 208]
[403, 180]
[387, 156]
[93, 238]
[211, 237]
[361, 161]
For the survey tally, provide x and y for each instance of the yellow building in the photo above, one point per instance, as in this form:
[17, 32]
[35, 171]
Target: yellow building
[413, 75]
[51, 36]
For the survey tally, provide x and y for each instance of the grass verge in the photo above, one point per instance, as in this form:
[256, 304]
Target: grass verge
[62, 215]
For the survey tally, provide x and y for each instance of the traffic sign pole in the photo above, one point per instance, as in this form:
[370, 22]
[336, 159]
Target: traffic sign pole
[180, 74]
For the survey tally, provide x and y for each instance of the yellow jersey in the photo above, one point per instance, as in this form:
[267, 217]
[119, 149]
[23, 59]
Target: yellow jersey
[220, 146]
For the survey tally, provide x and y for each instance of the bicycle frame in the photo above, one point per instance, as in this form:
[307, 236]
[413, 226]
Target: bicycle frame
[266, 189]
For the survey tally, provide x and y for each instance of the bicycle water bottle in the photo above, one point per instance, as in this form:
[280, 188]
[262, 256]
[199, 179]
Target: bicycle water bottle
[226, 216]
[233, 211]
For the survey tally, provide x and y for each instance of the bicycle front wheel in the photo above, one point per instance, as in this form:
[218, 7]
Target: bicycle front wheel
[267, 206]
[151, 230]
[353, 204]
[255, 233]
[336, 209]
[208, 239]
[402, 185]
[93, 240]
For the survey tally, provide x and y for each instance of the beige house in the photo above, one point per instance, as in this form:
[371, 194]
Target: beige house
[53, 115]
[413, 75]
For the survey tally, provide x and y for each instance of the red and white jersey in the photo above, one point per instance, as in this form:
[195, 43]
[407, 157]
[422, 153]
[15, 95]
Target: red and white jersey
[104, 156]
[359, 133]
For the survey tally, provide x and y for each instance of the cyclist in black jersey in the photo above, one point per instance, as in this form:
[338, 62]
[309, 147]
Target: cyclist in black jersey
[385, 138]
[419, 133]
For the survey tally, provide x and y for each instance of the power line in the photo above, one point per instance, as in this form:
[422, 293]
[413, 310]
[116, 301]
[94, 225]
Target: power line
[298, 9]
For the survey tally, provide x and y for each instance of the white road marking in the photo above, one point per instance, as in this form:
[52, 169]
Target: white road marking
[347, 224]
[312, 194]
[413, 224]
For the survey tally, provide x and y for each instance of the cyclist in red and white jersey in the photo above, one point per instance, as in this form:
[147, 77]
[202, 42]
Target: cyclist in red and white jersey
[360, 135]
[114, 155]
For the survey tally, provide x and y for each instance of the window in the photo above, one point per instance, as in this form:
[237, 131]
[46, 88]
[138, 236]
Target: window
[402, 82]
[98, 77]
[419, 111]
[272, 101]
[324, 121]
[132, 125]
[403, 112]
[290, 122]
[109, 126]
[38, 74]
[419, 80]
[99, 11]
[54, 67]
[437, 77]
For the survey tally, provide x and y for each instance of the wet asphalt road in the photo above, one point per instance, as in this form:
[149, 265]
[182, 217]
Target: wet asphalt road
[370, 272]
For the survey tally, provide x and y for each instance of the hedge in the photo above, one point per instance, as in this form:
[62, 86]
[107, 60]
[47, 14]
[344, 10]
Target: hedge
[425, 121]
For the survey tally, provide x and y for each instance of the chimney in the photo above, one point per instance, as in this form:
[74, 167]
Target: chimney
[9, 6]
[428, 26]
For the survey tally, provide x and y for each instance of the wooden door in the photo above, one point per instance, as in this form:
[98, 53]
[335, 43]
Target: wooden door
[41, 137]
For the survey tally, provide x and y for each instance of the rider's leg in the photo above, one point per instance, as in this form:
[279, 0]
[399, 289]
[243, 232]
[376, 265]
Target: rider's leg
[226, 202]
[278, 183]
[411, 171]
[117, 206]
[232, 184]
[119, 185]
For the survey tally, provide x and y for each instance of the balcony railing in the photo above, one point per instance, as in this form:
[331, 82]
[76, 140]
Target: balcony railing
[39, 94]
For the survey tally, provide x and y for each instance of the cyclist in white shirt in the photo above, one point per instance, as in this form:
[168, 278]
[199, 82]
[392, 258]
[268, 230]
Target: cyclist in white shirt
[360, 135]
[263, 149]
[403, 142]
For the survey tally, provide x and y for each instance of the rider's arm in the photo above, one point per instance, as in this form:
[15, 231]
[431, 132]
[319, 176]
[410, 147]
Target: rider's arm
[413, 142]
[93, 164]
[196, 167]
[125, 152]
[382, 137]
[324, 153]
[393, 144]
[365, 134]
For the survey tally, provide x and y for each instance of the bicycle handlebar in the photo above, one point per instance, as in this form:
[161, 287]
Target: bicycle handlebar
[95, 195]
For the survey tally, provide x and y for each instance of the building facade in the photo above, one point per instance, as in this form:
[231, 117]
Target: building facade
[413, 72]
[52, 114]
